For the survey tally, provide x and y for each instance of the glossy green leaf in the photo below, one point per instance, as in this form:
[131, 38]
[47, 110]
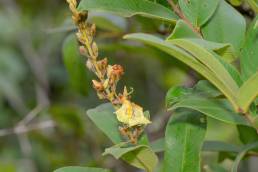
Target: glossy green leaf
[214, 108]
[175, 94]
[226, 51]
[107, 24]
[182, 30]
[188, 59]
[140, 156]
[104, 118]
[217, 109]
[232, 70]
[208, 146]
[248, 92]
[247, 134]
[184, 137]
[249, 53]
[128, 8]
[211, 62]
[225, 26]
[205, 88]
[218, 146]
[74, 64]
[207, 58]
[80, 169]
[198, 11]
[242, 154]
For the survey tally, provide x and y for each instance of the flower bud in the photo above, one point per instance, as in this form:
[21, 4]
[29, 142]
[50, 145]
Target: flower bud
[80, 38]
[95, 49]
[106, 83]
[117, 70]
[101, 95]
[97, 85]
[102, 65]
[83, 51]
[93, 29]
[90, 65]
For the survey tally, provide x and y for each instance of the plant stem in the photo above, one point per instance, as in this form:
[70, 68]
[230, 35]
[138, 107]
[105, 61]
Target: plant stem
[180, 14]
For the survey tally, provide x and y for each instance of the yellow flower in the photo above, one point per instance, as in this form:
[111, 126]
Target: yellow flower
[131, 114]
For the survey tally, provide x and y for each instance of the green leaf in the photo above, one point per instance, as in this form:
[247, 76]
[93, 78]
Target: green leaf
[249, 53]
[189, 60]
[80, 169]
[184, 137]
[218, 146]
[232, 70]
[74, 64]
[215, 168]
[248, 92]
[215, 65]
[242, 154]
[198, 11]
[110, 125]
[140, 156]
[175, 94]
[247, 134]
[215, 108]
[106, 24]
[104, 118]
[182, 30]
[128, 8]
[226, 26]
[211, 62]
[225, 51]
[208, 146]
[205, 88]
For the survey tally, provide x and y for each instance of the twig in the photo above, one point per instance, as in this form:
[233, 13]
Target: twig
[21, 129]
[31, 115]
[180, 14]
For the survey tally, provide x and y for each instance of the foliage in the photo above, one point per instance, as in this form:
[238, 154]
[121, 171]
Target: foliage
[206, 48]
[204, 40]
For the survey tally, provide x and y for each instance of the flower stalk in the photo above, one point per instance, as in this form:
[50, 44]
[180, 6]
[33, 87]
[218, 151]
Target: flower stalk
[129, 114]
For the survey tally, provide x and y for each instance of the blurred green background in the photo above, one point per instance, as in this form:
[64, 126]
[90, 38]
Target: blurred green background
[45, 88]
